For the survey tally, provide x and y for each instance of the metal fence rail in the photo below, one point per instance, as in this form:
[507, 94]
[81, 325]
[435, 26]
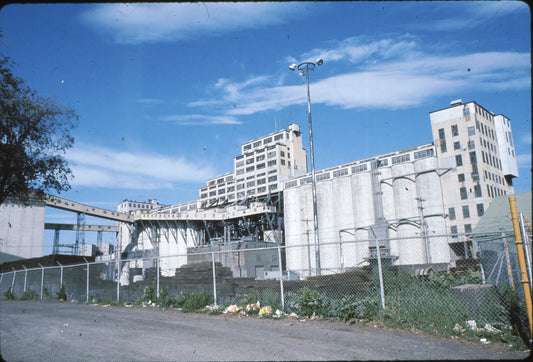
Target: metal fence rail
[410, 280]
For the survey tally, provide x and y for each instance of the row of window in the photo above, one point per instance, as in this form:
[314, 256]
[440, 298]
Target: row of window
[484, 113]
[463, 191]
[496, 178]
[466, 211]
[494, 191]
[265, 141]
[491, 160]
[454, 230]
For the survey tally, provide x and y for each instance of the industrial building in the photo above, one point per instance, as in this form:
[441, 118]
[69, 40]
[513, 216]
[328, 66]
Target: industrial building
[400, 198]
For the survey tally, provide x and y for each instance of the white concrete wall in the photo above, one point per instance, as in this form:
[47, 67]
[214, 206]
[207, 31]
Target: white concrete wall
[22, 229]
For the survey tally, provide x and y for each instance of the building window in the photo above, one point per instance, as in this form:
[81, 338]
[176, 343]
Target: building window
[240, 195]
[453, 230]
[273, 178]
[257, 144]
[360, 168]
[468, 228]
[278, 137]
[271, 163]
[240, 186]
[267, 140]
[442, 136]
[251, 192]
[451, 212]
[471, 130]
[457, 145]
[282, 162]
[272, 187]
[443, 147]
[261, 166]
[306, 180]
[271, 154]
[400, 159]
[239, 164]
[461, 177]
[289, 184]
[261, 189]
[471, 145]
[480, 210]
[261, 181]
[221, 191]
[341, 172]
[455, 130]
[212, 193]
[249, 161]
[477, 191]
[260, 158]
[458, 160]
[473, 158]
[322, 176]
[247, 147]
[231, 188]
[462, 192]
[250, 184]
[466, 211]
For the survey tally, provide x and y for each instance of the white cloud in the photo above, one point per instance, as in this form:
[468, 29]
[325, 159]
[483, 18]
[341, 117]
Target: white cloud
[107, 168]
[472, 14]
[385, 73]
[200, 119]
[157, 22]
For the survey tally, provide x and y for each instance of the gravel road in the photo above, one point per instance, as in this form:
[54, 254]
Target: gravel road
[41, 331]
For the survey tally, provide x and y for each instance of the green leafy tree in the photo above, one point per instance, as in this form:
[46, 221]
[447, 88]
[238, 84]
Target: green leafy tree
[34, 136]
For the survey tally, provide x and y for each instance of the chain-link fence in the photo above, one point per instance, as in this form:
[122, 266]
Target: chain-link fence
[440, 283]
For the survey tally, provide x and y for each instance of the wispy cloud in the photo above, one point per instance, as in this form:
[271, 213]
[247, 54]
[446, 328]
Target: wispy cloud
[472, 14]
[200, 119]
[387, 73]
[525, 138]
[150, 101]
[161, 22]
[107, 168]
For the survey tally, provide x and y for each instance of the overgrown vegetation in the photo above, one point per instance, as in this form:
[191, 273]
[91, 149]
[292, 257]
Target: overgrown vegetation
[62, 293]
[29, 294]
[9, 294]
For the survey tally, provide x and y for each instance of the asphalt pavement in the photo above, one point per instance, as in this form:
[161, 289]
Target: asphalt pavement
[47, 331]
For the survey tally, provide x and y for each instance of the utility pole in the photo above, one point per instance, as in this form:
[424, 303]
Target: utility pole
[307, 232]
[423, 227]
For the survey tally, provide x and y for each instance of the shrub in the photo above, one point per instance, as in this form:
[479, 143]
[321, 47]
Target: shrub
[62, 294]
[164, 299]
[9, 294]
[29, 295]
[311, 302]
[191, 301]
[148, 296]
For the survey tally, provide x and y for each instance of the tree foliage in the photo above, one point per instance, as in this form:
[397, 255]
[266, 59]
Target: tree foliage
[34, 136]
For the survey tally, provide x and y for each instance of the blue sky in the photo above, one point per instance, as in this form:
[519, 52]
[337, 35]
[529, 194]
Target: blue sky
[166, 93]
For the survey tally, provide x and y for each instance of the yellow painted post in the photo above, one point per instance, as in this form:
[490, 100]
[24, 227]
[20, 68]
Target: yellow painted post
[524, 279]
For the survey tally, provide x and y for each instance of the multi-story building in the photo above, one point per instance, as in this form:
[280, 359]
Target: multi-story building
[434, 189]
[478, 146]
[402, 198]
[132, 205]
[260, 169]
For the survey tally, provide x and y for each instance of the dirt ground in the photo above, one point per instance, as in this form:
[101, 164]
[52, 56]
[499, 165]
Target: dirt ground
[42, 331]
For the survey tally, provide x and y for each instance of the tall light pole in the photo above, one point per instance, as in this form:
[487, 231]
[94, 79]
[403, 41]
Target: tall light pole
[304, 69]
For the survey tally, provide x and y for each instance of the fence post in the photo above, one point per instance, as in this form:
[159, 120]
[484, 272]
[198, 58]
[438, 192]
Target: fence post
[42, 280]
[60, 275]
[13, 281]
[524, 279]
[87, 278]
[281, 278]
[118, 280]
[381, 288]
[25, 276]
[214, 278]
[158, 271]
